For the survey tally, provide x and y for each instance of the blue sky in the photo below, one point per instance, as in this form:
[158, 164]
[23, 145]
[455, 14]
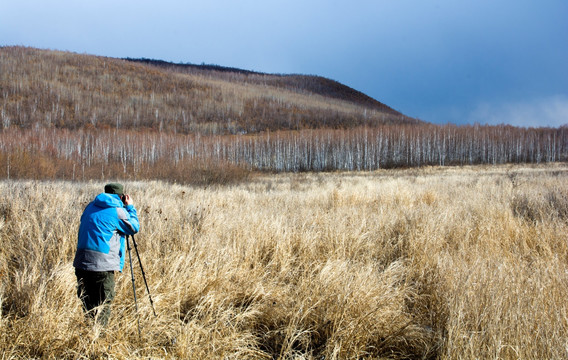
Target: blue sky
[443, 61]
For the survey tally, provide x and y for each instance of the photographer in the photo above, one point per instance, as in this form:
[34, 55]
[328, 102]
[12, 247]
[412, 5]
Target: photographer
[101, 248]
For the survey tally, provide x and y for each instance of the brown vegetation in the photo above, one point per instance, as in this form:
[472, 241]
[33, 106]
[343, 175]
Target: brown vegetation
[442, 263]
[297, 83]
[71, 91]
[80, 117]
[193, 159]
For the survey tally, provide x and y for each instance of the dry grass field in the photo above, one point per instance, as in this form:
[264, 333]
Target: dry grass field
[434, 263]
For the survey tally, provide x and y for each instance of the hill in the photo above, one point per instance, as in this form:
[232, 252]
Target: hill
[67, 90]
[72, 116]
[308, 84]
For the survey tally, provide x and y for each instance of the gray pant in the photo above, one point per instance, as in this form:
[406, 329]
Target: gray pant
[96, 288]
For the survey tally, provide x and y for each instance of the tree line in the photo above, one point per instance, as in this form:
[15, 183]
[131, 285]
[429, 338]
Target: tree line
[93, 154]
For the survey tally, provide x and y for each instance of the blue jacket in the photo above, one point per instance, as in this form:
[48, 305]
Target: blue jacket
[104, 223]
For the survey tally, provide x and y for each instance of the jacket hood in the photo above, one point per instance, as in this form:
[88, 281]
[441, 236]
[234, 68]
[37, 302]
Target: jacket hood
[105, 200]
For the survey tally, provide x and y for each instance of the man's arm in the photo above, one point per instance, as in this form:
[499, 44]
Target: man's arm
[127, 216]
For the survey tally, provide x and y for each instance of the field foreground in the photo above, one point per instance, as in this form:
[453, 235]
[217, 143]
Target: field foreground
[431, 263]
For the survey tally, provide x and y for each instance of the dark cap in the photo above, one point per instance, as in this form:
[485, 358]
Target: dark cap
[114, 188]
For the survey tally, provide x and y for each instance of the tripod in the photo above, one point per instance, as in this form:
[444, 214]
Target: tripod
[133, 284]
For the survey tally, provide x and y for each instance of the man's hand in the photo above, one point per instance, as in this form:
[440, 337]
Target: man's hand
[127, 200]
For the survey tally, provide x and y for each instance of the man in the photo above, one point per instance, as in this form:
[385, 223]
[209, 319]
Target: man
[101, 248]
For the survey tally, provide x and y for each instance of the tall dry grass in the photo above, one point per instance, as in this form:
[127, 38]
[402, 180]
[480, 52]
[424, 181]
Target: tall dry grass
[433, 263]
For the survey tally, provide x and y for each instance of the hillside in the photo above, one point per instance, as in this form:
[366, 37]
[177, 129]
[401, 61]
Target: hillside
[309, 84]
[71, 116]
[74, 91]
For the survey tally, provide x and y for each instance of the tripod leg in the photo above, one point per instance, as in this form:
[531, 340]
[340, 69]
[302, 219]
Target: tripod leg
[133, 287]
[143, 275]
